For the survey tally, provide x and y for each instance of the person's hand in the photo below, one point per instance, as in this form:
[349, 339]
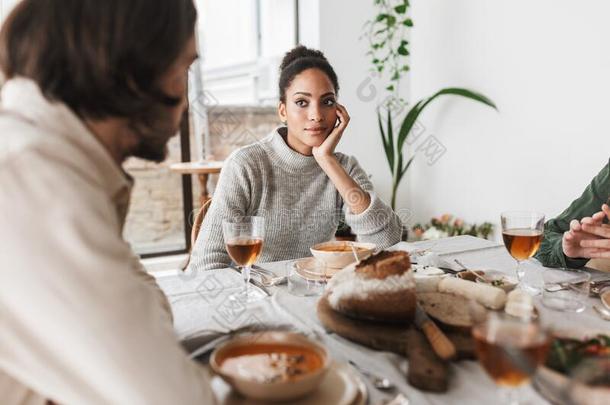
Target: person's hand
[596, 244]
[571, 242]
[327, 148]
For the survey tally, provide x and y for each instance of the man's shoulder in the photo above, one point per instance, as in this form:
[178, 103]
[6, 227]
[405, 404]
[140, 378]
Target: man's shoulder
[38, 167]
[19, 136]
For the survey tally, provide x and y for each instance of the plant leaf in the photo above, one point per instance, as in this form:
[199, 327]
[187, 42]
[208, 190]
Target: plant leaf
[388, 153]
[408, 22]
[458, 91]
[401, 9]
[404, 169]
[413, 114]
[403, 51]
[407, 124]
[396, 173]
[381, 17]
[390, 139]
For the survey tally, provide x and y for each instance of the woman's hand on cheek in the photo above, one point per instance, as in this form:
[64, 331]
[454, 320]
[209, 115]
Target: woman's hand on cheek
[327, 148]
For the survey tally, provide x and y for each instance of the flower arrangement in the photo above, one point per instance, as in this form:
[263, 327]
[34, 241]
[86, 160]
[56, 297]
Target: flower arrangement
[446, 225]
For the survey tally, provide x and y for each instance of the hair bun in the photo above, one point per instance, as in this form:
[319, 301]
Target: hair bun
[300, 52]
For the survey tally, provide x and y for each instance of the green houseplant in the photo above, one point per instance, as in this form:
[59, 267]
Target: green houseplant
[389, 51]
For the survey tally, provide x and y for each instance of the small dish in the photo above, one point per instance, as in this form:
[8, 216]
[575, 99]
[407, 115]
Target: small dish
[497, 279]
[312, 269]
[341, 386]
[604, 296]
[246, 361]
[338, 254]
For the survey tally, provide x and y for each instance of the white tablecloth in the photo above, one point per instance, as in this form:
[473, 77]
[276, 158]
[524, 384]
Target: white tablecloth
[200, 304]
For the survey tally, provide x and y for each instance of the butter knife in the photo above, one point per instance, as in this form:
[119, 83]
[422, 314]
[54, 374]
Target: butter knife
[441, 345]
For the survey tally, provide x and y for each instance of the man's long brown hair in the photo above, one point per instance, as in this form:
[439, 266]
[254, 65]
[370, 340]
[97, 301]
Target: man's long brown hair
[102, 58]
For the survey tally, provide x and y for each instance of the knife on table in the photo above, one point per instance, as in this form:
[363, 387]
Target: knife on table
[441, 345]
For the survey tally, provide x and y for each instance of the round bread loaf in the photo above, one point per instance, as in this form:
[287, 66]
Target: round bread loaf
[380, 288]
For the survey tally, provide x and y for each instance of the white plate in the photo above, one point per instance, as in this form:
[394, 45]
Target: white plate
[310, 269]
[553, 381]
[341, 386]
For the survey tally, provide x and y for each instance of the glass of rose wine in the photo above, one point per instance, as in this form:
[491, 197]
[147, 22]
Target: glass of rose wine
[244, 242]
[510, 349]
[522, 234]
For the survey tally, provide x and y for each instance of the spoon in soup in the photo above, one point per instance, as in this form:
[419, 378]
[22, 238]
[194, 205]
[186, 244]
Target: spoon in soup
[381, 383]
[355, 253]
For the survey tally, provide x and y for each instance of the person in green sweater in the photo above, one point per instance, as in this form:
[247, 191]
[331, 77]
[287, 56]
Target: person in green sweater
[581, 232]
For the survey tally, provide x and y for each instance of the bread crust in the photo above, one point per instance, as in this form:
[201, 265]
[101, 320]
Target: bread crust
[382, 297]
[397, 306]
[384, 264]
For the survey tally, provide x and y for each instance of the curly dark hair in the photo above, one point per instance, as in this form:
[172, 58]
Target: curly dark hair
[302, 58]
[101, 58]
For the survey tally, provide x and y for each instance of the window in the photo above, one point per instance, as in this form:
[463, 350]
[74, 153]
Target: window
[232, 95]
[233, 98]
[242, 43]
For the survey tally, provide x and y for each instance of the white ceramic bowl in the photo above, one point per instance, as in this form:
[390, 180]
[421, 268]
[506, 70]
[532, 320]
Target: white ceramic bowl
[338, 254]
[272, 391]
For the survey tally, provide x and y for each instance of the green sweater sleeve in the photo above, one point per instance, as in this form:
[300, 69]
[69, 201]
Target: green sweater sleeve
[590, 202]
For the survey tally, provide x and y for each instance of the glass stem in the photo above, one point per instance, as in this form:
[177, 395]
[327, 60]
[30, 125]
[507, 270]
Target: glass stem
[510, 396]
[520, 272]
[246, 272]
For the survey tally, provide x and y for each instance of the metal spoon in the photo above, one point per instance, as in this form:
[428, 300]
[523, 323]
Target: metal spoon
[400, 399]
[602, 312]
[381, 383]
[474, 272]
[355, 253]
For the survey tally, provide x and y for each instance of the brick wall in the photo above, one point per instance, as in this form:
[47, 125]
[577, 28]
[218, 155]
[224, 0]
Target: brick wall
[155, 220]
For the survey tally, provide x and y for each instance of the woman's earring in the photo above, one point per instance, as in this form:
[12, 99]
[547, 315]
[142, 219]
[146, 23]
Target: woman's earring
[285, 122]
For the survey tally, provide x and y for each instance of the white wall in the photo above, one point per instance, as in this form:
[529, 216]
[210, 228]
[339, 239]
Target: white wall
[5, 7]
[547, 66]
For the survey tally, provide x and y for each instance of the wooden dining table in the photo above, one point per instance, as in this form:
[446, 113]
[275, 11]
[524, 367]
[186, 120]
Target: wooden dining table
[200, 305]
[202, 170]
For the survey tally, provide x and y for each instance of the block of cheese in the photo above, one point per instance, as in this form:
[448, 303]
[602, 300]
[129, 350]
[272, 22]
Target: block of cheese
[425, 284]
[519, 304]
[487, 295]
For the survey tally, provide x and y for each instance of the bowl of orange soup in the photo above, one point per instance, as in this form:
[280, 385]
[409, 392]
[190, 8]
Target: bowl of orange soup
[271, 366]
[338, 254]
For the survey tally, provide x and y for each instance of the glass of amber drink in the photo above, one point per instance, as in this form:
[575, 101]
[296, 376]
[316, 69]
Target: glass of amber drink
[522, 234]
[510, 349]
[244, 242]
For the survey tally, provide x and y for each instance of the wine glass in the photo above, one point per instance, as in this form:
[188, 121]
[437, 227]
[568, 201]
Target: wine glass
[244, 241]
[522, 234]
[510, 349]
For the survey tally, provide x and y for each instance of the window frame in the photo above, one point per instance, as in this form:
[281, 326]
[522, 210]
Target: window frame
[187, 192]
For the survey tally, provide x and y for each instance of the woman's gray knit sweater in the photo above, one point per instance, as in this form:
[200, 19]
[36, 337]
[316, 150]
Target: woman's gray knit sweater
[300, 204]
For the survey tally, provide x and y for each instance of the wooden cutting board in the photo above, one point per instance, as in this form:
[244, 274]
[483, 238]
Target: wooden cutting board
[384, 336]
[426, 370]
